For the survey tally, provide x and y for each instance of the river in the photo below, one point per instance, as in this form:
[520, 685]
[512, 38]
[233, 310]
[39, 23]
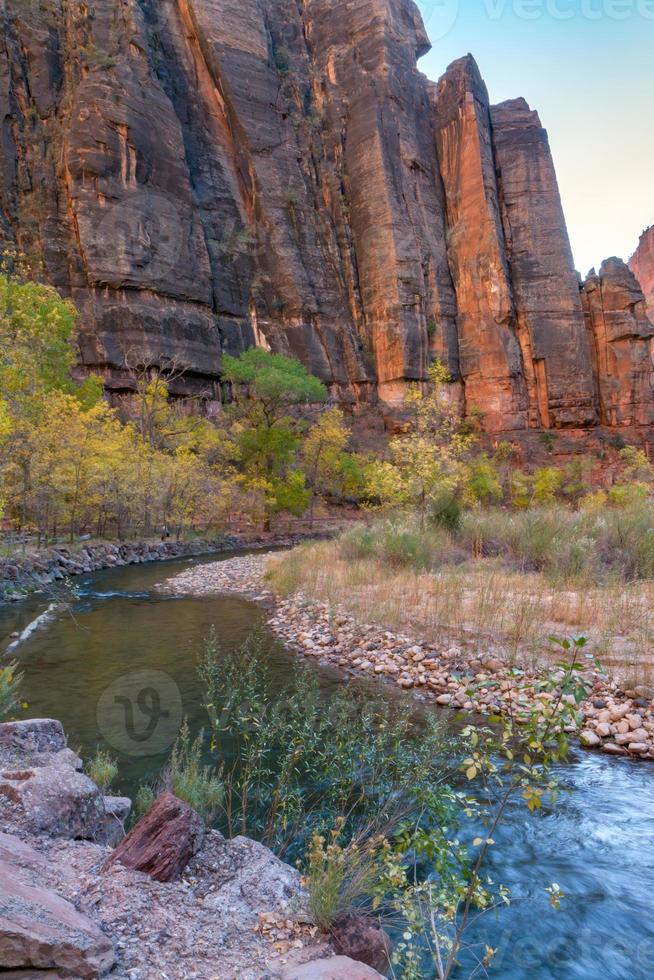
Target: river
[120, 672]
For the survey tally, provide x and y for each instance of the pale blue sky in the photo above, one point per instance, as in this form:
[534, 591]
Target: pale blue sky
[588, 67]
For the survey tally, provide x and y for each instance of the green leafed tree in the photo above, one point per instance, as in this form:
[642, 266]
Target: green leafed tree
[427, 468]
[267, 388]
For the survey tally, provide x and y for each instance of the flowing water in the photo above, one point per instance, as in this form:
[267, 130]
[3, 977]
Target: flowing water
[121, 672]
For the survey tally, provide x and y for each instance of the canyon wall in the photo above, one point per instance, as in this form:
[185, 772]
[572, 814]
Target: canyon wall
[641, 264]
[204, 175]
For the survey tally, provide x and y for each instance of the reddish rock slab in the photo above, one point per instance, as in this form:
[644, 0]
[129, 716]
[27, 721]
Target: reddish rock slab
[641, 264]
[489, 352]
[39, 931]
[336, 968]
[363, 940]
[164, 840]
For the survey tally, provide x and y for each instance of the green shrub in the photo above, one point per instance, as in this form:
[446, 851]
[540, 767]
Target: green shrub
[484, 485]
[295, 762]
[629, 494]
[102, 769]
[520, 488]
[402, 547]
[546, 484]
[445, 510]
[358, 544]
[190, 780]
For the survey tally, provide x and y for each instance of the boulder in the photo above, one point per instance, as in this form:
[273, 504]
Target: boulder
[362, 939]
[33, 735]
[116, 809]
[60, 802]
[249, 879]
[336, 968]
[41, 932]
[163, 841]
[589, 739]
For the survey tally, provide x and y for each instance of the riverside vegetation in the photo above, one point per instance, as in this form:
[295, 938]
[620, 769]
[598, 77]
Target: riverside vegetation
[459, 545]
[388, 815]
[72, 465]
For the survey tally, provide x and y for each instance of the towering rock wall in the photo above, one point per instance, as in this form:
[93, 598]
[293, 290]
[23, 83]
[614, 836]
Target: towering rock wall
[641, 264]
[204, 175]
[550, 324]
[490, 357]
[621, 344]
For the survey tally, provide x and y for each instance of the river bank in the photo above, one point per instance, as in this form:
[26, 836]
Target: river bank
[21, 575]
[616, 722]
[74, 907]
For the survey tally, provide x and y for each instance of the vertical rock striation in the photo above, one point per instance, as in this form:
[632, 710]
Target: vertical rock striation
[621, 341]
[550, 322]
[204, 175]
[490, 357]
[641, 264]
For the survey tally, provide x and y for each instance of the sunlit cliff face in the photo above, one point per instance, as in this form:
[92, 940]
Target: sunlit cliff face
[205, 175]
[642, 265]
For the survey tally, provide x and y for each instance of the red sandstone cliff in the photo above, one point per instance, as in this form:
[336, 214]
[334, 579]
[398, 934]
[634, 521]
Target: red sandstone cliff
[202, 175]
[641, 264]
[621, 343]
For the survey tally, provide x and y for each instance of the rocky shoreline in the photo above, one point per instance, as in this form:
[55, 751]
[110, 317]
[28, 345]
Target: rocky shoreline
[21, 575]
[618, 723]
[173, 900]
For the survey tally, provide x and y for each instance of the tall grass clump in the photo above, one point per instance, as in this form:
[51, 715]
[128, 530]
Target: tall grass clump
[584, 547]
[186, 776]
[397, 543]
[102, 770]
[190, 779]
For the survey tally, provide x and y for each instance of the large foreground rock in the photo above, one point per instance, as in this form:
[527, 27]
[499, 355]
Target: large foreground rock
[336, 968]
[32, 735]
[54, 800]
[164, 840]
[39, 930]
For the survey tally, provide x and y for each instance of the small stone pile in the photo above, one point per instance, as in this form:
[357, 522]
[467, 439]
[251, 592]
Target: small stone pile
[614, 721]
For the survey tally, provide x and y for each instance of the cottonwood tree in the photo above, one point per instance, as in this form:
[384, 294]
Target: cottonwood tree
[427, 467]
[37, 331]
[329, 468]
[266, 435]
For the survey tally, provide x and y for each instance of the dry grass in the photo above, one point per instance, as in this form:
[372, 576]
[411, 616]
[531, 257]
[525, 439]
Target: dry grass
[482, 604]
